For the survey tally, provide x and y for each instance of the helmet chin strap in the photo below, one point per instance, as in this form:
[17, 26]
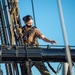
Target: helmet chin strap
[28, 26]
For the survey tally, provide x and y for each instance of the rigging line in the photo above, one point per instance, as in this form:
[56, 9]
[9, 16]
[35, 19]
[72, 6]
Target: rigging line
[58, 68]
[51, 67]
[3, 8]
[33, 15]
[33, 12]
[65, 36]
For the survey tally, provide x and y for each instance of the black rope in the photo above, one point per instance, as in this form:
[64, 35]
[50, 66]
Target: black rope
[28, 61]
[58, 68]
[51, 67]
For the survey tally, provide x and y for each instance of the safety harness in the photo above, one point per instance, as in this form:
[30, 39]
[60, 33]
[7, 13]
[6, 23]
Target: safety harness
[26, 34]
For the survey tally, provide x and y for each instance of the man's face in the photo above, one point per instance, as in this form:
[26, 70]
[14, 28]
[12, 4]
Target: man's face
[30, 22]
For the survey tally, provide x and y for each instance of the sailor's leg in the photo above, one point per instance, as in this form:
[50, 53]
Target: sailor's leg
[25, 68]
[42, 68]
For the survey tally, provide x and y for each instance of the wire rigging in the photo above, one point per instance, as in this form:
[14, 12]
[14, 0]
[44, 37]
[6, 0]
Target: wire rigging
[33, 12]
[68, 55]
[58, 68]
[1, 72]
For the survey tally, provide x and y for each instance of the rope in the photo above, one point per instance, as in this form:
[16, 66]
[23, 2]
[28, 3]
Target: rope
[33, 12]
[1, 72]
[58, 68]
[51, 68]
[4, 7]
[34, 15]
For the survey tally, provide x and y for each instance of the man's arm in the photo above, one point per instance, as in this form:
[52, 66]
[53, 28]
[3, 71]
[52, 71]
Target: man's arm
[41, 36]
[47, 40]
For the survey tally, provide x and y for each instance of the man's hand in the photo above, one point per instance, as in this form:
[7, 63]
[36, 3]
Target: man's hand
[53, 41]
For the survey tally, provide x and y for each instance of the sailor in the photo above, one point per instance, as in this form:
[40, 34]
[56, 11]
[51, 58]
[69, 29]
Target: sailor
[30, 34]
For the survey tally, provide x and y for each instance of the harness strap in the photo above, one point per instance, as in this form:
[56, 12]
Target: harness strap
[28, 32]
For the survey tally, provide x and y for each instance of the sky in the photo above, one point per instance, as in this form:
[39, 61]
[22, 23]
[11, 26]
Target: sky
[48, 19]
[48, 22]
